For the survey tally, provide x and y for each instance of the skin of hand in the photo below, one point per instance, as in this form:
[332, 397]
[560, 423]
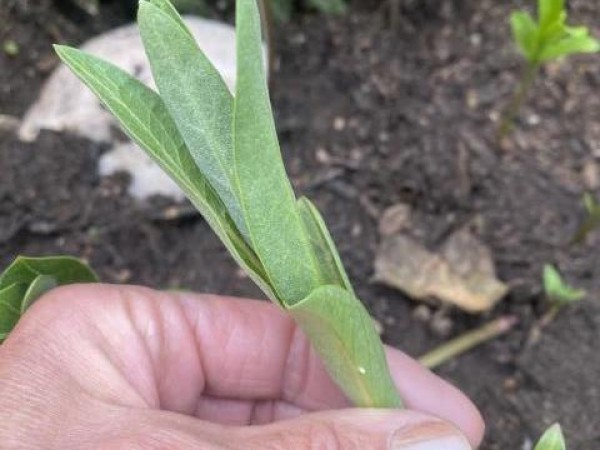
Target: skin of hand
[128, 368]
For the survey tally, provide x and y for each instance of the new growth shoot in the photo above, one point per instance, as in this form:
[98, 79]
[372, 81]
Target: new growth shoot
[558, 293]
[540, 41]
[223, 151]
[552, 439]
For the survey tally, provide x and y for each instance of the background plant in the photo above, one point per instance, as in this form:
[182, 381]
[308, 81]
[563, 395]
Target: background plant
[552, 439]
[591, 221]
[557, 291]
[26, 279]
[540, 41]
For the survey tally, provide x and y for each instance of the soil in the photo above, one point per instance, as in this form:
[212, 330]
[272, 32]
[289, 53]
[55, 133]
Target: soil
[369, 114]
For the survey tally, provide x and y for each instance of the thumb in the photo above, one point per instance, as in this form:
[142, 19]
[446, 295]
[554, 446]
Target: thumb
[360, 429]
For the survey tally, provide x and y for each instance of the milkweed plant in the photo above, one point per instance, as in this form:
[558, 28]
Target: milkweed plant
[223, 151]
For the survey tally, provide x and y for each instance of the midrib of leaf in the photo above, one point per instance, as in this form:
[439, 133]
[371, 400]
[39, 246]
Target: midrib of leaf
[177, 65]
[341, 330]
[137, 137]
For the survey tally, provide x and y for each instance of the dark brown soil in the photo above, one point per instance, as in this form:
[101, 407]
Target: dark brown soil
[368, 116]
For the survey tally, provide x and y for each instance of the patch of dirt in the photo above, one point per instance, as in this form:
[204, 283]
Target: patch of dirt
[368, 116]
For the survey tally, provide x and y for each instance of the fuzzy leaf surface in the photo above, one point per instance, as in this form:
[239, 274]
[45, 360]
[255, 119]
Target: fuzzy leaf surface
[342, 332]
[196, 97]
[276, 230]
[145, 118]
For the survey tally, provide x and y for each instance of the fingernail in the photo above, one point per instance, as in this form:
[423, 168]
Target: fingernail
[429, 436]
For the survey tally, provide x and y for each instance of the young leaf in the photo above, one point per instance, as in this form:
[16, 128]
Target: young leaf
[342, 332]
[557, 290]
[525, 33]
[552, 439]
[277, 234]
[567, 46]
[27, 279]
[196, 98]
[550, 11]
[330, 264]
[144, 117]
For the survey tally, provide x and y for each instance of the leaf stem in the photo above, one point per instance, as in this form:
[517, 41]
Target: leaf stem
[467, 341]
[536, 330]
[508, 118]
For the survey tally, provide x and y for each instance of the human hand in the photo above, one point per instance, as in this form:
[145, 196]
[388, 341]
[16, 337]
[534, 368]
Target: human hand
[121, 367]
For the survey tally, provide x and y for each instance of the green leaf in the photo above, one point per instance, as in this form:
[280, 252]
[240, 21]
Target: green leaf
[569, 46]
[169, 9]
[64, 269]
[196, 98]
[329, 6]
[38, 287]
[276, 230]
[525, 33]
[342, 332]
[330, 264]
[550, 11]
[144, 117]
[552, 439]
[556, 290]
[27, 279]
[10, 307]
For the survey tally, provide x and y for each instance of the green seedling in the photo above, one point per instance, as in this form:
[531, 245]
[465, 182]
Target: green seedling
[559, 294]
[591, 221]
[540, 41]
[26, 279]
[223, 152]
[557, 291]
[10, 47]
[552, 439]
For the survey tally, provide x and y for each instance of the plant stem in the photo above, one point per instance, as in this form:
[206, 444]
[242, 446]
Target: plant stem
[527, 79]
[543, 322]
[467, 341]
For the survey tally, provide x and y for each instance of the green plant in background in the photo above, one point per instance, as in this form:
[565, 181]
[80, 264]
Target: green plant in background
[26, 279]
[224, 153]
[558, 294]
[541, 41]
[591, 221]
[552, 439]
[557, 291]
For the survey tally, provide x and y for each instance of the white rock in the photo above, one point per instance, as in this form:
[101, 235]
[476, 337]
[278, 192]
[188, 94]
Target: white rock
[147, 179]
[66, 104]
